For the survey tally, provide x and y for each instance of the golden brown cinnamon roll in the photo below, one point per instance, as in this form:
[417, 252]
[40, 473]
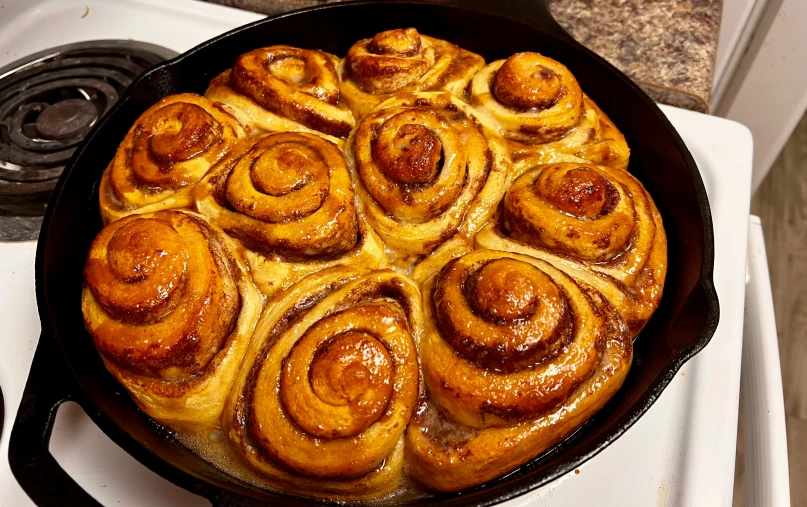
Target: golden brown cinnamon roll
[403, 60]
[543, 111]
[429, 171]
[329, 384]
[168, 149]
[280, 88]
[289, 199]
[171, 309]
[516, 355]
[593, 222]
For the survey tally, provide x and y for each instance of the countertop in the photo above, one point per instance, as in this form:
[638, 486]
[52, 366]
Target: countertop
[666, 46]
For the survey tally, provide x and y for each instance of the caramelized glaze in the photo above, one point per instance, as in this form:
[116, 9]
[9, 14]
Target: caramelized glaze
[170, 309]
[390, 61]
[169, 148]
[427, 170]
[593, 222]
[575, 209]
[505, 315]
[289, 199]
[269, 84]
[330, 382]
[547, 358]
[542, 111]
[403, 60]
[287, 193]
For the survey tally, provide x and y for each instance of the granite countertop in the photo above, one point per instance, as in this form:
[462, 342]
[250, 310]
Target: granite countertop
[666, 46]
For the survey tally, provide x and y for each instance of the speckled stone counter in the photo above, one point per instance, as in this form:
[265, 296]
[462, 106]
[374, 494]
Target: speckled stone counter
[667, 46]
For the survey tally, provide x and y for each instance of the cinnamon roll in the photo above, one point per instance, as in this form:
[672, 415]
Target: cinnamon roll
[516, 355]
[329, 384]
[543, 111]
[289, 199]
[595, 223]
[171, 309]
[280, 88]
[168, 149]
[429, 171]
[403, 60]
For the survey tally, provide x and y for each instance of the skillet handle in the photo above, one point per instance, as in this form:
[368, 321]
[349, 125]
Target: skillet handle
[535, 13]
[49, 385]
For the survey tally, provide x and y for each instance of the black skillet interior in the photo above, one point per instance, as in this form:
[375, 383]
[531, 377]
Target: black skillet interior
[67, 366]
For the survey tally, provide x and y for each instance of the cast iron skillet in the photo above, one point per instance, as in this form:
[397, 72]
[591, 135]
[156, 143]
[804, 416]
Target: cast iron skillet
[67, 367]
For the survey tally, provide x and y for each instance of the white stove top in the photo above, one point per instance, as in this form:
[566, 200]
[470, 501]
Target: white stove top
[680, 453]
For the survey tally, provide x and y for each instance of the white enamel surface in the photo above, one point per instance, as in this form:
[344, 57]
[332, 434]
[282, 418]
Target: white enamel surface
[680, 453]
[765, 437]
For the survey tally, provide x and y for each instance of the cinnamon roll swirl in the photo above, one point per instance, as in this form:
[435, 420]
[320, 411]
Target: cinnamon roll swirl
[171, 309]
[595, 223]
[515, 355]
[429, 171]
[289, 199]
[329, 384]
[543, 111]
[280, 88]
[403, 60]
[168, 149]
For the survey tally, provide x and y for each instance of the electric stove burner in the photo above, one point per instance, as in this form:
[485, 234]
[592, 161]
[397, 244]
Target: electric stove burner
[48, 102]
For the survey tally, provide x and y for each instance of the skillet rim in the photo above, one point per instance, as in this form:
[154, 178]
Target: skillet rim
[524, 483]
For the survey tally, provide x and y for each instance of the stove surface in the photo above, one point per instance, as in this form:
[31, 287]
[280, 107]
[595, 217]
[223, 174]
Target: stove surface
[680, 452]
